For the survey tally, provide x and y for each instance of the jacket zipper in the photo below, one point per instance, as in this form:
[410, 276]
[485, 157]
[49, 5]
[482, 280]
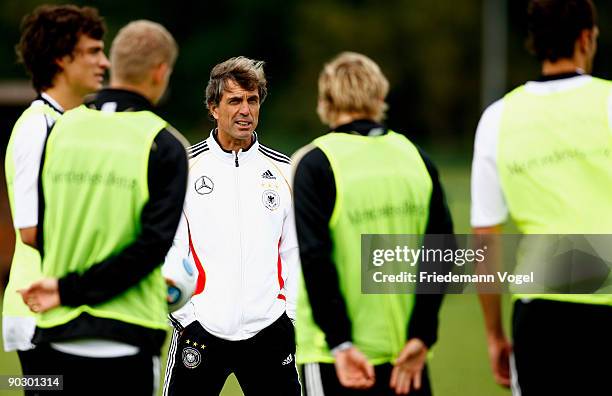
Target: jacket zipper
[237, 197]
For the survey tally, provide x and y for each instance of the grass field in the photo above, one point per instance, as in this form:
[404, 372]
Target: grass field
[459, 364]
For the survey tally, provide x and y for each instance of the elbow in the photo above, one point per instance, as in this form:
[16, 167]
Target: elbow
[28, 236]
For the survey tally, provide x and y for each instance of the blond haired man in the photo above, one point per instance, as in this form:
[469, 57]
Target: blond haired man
[113, 182]
[347, 343]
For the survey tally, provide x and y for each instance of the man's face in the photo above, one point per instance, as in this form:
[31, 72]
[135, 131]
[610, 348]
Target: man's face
[84, 69]
[238, 111]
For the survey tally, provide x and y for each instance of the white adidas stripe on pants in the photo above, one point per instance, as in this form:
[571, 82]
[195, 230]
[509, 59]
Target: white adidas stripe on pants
[312, 379]
[514, 384]
[156, 369]
[171, 360]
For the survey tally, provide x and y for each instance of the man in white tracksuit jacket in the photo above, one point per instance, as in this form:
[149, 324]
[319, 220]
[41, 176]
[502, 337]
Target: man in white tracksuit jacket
[238, 228]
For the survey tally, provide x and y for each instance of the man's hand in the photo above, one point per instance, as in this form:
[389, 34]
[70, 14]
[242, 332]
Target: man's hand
[41, 296]
[353, 369]
[499, 356]
[406, 374]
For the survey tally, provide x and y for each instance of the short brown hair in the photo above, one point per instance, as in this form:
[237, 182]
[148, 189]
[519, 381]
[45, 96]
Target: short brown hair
[138, 47]
[51, 32]
[352, 83]
[555, 25]
[245, 72]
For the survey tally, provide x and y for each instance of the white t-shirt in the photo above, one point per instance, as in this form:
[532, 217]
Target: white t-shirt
[27, 151]
[28, 144]
[488, 206]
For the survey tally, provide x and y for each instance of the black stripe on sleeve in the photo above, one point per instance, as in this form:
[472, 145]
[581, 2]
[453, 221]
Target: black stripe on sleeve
[274, 157]
[197, 152]
[196, 146]
[274, 152]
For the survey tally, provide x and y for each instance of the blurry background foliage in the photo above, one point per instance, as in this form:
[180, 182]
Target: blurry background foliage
[429, 49]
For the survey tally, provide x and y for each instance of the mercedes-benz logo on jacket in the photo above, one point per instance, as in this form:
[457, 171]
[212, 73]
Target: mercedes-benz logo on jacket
[204, 185]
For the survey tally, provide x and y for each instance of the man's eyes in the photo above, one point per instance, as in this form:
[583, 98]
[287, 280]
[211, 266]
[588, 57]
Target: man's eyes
[93, 51]
[238, 101]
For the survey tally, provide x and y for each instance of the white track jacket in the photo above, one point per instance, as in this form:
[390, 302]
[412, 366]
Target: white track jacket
[238, 227]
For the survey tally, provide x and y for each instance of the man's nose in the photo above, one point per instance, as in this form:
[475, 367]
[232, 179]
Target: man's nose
[104, 62]
[244, 108]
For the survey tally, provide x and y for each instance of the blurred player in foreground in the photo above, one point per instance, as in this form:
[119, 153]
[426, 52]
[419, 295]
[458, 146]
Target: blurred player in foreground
[113, 182]
[541, 154]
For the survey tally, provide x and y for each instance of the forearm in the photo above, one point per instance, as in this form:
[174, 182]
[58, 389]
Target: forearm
[491, 308]
[424, 318]
[490, 300]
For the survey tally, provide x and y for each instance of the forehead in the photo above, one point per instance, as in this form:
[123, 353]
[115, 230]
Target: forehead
[232, 89]
[86, 42]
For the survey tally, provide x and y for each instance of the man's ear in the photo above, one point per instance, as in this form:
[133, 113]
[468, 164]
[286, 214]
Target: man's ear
[214, 111]
[63, 61]
[585, 39]
[160, 73]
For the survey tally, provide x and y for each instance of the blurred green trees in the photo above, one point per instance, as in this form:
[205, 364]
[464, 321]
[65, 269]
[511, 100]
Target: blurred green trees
[429, 49]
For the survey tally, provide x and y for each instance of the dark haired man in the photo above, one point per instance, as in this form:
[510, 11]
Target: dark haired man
[238, 226]
[62, 50]
[559, 339]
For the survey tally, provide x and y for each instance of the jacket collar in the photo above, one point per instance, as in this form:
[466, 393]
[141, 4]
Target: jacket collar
[560, 76]
[49, 101]
[232, 157]
[121, 100]
[362, 127]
